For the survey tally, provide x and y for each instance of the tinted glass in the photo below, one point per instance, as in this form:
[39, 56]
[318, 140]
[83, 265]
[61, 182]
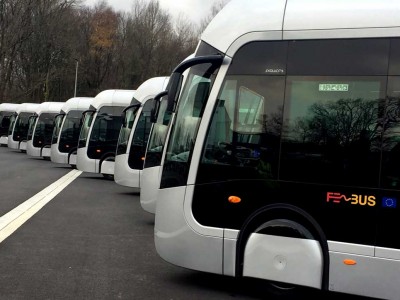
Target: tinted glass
[86, 123]
[57, 126]
[394, 66]
[21, 126]
[126, 128]
[70, 131]
[104, 134]
[44, 130]
[140, 137]
[338, 57]
[157, 136]
[331, 130]
[191, 105]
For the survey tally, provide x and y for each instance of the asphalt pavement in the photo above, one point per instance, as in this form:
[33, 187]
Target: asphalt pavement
[94, 241]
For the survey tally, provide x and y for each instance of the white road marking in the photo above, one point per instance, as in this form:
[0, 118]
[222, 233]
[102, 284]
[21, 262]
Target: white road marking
[12, 220]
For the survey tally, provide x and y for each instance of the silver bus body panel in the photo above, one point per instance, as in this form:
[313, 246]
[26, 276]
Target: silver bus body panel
[123, 174]
[30, 149]
[56, 156]
[11, 143]
[72, 159]
[22, 145]
[177, 243]
[107, 167]
[351, 248]
[46, 152]
[149, 185]
[84, 163]
[4, 140]
[382, 282]
[283, 259]
[387, 253]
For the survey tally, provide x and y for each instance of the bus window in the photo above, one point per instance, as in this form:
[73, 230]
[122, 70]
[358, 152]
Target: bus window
[331, 129]
[70, 131]
[157, 136]
[140, 137]
[191, 106]
[57, 126]
[105, 131]
[87, 121]
[126, 128]
[245, 130]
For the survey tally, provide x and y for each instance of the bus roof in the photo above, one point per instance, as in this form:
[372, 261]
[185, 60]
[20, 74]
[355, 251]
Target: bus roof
[113, 98]
[8, 106]
[27, 107]
[77, 103]
[150, 88]
[301, 19]
[49, 107]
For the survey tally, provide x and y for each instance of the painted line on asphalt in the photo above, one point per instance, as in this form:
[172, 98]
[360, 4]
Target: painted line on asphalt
[12, 220]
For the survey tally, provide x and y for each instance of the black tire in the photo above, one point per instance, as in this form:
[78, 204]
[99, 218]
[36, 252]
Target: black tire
[108, 176]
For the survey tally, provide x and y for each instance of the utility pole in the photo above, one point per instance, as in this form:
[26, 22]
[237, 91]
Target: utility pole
[76, 75]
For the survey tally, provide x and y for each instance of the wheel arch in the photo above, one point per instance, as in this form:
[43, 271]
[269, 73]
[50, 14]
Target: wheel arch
[282, 211]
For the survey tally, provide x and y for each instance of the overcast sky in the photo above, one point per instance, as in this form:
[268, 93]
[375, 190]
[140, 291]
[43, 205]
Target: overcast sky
[194, 10]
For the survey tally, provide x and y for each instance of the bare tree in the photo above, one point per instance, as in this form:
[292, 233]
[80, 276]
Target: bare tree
[217, 6]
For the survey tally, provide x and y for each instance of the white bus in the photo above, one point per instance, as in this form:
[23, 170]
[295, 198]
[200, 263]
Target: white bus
[19, 125]
[99, 133]
[41, 129]
[7, 111]
[287, 168]
[150, 175]
[134, 133]
[67, 126]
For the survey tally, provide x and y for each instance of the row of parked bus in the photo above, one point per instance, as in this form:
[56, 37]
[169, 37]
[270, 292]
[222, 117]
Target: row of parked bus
[272, 153]
[106, 134]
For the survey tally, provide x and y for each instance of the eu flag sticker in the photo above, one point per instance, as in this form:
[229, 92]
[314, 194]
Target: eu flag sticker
[389, 202]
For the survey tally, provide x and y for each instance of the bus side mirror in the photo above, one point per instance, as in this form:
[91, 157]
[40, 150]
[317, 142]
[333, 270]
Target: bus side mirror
[174, 86]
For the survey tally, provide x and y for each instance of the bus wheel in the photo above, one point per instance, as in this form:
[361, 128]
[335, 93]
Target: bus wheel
[108, 176]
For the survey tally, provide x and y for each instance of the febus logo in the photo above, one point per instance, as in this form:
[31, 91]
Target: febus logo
[353, 199]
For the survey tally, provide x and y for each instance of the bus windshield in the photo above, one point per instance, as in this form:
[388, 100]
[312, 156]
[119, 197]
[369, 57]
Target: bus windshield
[140, 137]
[192, 101]
[13, 117]
[57, 126]
[21, 126]
[87, 121]
[4, 122]
[70, 131]
[126, 129]
[104, 134]
[31, 126]
[157, 136]
[44, 130]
